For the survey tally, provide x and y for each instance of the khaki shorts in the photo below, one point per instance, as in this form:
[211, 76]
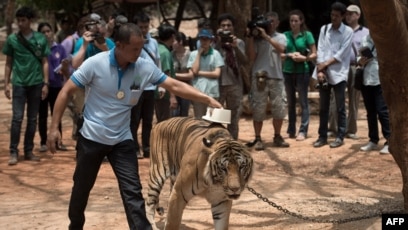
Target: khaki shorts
[274, 93]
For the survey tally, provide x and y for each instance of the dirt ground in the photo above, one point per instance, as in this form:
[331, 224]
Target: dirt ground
[324, 184]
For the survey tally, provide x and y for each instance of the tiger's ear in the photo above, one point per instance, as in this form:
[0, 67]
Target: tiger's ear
[207, 142]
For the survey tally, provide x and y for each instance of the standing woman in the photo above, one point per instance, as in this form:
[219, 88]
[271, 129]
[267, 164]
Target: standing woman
[180, 57]
[58, 72]
[300, 50]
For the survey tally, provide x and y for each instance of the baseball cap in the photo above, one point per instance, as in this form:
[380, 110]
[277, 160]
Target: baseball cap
[204, 33]
[354, 8]
[95, 17]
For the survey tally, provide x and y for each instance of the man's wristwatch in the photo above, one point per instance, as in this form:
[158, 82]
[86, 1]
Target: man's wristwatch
[46, 83]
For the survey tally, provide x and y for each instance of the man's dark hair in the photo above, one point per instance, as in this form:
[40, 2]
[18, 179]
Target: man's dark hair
[272, 14]
[25, 12]
[125, 31]
[181, 38]
[141, 17]
[166, 31]
[226, 16]
[340, 7]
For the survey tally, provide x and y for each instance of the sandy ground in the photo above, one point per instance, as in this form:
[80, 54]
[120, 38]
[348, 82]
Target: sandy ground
[324, 184]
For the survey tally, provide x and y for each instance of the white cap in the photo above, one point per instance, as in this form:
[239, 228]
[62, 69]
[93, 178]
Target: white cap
[354, 8]
[218, 115]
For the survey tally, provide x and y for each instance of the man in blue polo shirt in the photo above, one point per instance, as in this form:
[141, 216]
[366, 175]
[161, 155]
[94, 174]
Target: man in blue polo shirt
[114, 81]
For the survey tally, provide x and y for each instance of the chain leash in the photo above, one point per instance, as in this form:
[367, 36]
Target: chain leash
[315, 220]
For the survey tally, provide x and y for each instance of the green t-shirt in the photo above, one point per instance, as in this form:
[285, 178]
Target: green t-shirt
[167, 66]
[303, 41]
[26, 68]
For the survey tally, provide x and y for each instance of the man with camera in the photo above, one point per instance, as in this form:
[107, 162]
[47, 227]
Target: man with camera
[333, 63]
[232, 49]
[91, 42]
[264, 51]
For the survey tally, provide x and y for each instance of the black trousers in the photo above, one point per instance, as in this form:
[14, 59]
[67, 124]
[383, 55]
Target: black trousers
[124, 163]
[143, 111]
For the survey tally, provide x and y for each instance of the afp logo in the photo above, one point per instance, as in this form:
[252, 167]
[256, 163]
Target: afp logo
[394, 221]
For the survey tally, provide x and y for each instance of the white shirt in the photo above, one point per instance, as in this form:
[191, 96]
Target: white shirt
[268, 58]
[335, 44]
[371, 76]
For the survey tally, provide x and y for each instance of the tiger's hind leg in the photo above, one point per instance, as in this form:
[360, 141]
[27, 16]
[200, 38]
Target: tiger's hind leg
[221, 213]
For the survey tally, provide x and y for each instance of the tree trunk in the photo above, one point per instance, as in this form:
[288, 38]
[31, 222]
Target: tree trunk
[10, 16]
[387, 23]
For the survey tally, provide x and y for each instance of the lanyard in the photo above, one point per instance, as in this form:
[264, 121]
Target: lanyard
[120, 74]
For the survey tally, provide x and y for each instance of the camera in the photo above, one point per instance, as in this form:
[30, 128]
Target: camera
[322, 84]
[225, 36]
[58, 68]
[93, 27]
[258, 20]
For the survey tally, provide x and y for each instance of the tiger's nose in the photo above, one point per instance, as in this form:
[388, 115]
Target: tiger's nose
[234, 189]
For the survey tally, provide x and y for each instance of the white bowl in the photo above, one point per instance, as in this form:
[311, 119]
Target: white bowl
[218, 115]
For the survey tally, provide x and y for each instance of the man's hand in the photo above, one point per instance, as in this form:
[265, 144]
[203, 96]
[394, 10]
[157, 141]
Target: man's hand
[53, 137]
[363, 61]
[214, 103]
[7, 91]
[44, 92]
[173, 102]
[263, 32]
[88, 37]
[162, 92]
[200, 51]
[321, 66]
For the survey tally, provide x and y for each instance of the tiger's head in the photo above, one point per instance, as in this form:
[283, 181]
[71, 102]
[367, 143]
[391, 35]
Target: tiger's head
[229, 165]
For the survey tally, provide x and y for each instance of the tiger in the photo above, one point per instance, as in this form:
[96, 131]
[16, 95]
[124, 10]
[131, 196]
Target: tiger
[201, 159]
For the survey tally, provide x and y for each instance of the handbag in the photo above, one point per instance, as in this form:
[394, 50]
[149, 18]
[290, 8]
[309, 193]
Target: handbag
[359, 74]
[358, 78]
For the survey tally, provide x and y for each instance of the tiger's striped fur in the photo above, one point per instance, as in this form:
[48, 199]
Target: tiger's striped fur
[201, 158]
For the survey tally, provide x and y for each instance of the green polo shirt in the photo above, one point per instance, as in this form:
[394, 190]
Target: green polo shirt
[167, 66]
[26, 68]
[303, 41]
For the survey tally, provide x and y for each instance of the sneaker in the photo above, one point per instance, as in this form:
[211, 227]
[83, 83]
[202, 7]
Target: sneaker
[259, 145]
[301, 137]
[370, 146]
[279, 142]
[43, 148]
[336, 143]
[13, 160]
[384, 150]
[292, 136]
[352, 136]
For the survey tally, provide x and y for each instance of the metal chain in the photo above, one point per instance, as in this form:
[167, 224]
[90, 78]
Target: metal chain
[299, 216]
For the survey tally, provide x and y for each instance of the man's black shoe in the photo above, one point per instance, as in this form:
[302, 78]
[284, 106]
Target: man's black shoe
[319, 143]
[336, 143]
